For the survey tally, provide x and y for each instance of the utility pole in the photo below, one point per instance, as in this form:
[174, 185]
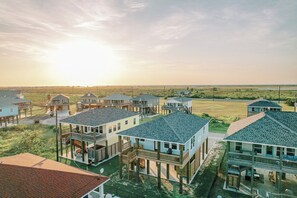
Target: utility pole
[57, 147]
[279, 93]
[164, 92]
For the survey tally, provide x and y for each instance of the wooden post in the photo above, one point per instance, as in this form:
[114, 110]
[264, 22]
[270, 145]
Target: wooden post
[106, 150]
[61, 145]
[252, 168]
[206, 146]
[83, 150]
[137, 159]
[279, 186]
[5, 122]
[188, 172]
[227, 154]
[181, 149]
[159, 174]
[159, 163]
[203, 150]
[167, 171]
[17, 117]
[148, 167]
[71, 147]
[120, 157]
[82, 144]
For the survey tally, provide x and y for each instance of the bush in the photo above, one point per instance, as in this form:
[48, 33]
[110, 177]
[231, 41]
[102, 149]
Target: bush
[30, 141]
[290, 101]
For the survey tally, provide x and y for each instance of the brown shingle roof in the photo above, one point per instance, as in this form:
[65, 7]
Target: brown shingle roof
[28, 175]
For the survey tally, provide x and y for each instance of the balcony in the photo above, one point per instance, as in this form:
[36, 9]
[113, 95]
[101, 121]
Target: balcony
[271, 163]
[90, 137]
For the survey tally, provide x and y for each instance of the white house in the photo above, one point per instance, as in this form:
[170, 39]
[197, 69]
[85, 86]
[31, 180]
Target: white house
[261, 105]
[92, 135]
[176, 141]
[178, 104]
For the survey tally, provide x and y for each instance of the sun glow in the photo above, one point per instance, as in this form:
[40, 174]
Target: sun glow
[84, 62]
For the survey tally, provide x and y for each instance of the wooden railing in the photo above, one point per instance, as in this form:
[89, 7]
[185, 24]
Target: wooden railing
[169, 158]
[263, 161]
[87, 137]
[126, 146]
[130, 156]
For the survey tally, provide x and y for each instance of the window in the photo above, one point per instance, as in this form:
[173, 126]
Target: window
[258, 148]
[253, 109]
[114, 127]
[269, 150]
[238, 146]
[11, 109]
[166, 145]
[0, 110]
[100, 129]
[95, 129]
[142, 140]
[278, 151]
[119, 126]
[109, 129]
[126, 122]
[193, 142]
[174, 146]
[134, 121]
[86, 129]
[290, 152]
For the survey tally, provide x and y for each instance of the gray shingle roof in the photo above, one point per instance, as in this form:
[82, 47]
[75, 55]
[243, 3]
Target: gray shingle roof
[177, 127]
[272, 128]
[89, 95]
[145, 97]
[181, 99]
[60, 97]
[263, 103]
[117, 97]
[9, 93]
[96, 117]
[8, 101]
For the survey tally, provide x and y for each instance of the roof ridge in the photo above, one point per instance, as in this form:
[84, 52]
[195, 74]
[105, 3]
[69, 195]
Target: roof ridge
[172, 128]
[278, 122]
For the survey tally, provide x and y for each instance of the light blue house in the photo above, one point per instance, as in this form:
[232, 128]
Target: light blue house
[175, 141]
[8, 111]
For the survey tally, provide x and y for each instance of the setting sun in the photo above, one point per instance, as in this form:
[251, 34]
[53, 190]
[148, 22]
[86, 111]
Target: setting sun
[84, 62]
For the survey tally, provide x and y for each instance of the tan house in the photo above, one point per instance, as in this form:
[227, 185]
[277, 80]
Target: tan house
[88, 101]
[117, 100]
[30, 176]
[177, 143]
[57, 103]
[92, 135]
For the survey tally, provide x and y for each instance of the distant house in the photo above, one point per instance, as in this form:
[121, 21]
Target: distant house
[58, 103]
[295, 106]
[183, 92]
[30, 176]
[178, 104]
[8, 112]
[262, 105]
[146, 104]
[17, 98]
[117, 100]
[175, 143]
[88, 101]
[263, 143]
[92, 135]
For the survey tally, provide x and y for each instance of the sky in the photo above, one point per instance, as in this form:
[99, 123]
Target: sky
[135, 42]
